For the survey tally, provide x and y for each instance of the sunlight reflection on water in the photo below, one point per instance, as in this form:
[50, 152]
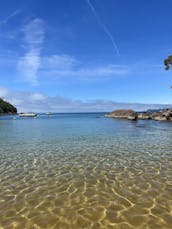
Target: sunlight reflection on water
[77, 171]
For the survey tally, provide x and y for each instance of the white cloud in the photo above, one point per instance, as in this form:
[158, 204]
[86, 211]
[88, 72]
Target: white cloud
[34, 33]
[28, 65]
[39, 102]
[58, 62]
[62, 66]
[32, 65]
[106, 71]
[37, 96]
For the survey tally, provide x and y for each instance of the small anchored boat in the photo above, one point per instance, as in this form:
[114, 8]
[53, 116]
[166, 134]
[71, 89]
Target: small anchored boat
[48, 113]
[27, 114]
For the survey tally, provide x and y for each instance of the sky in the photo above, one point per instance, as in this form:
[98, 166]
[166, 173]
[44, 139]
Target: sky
[85, 55]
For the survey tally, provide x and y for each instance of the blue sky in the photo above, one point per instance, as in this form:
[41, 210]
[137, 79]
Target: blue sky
[85, 55]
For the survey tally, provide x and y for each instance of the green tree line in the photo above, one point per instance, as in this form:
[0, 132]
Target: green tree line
[6, 107]
[168, 62]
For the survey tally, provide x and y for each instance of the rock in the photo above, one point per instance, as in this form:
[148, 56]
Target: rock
[160, 115]
[168, 114]
[160, 118]
[124, 114]
[163, 115]
[144, 115]
[131, 117]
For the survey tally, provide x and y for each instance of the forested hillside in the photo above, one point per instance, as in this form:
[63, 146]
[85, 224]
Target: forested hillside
[7, 108]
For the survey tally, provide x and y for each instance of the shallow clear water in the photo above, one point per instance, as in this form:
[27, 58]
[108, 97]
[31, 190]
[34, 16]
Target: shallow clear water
[85, 171]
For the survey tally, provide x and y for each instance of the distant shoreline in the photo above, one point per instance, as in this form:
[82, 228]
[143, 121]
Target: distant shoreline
[3, 114]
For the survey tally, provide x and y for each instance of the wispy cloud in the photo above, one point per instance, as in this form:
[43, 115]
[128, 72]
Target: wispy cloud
[95, 73]
[10, 16]
[65, 66]
[34, 33]
[104, 27]
[58, 61]
[32, 64]
[28, 65]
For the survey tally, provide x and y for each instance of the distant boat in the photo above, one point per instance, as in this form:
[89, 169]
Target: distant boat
[48, 113]
[27, 114]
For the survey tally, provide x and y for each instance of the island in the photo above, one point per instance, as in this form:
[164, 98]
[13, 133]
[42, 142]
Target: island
[7, 108]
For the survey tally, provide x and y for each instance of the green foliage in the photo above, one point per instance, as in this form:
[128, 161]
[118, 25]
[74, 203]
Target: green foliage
[168, 62]
[6, 107]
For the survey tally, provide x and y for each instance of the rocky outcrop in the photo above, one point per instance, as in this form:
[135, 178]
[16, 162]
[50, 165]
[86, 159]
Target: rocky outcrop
[144, 115]
[161, 115]
[123, 114]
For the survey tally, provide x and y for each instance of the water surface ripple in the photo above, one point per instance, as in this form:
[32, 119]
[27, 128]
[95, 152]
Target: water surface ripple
[81, 171]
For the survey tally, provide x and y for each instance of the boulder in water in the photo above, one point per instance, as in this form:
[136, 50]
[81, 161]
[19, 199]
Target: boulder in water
[123, 114]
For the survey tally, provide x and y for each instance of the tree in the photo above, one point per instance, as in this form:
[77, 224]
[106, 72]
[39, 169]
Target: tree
[7, 108]
[168, 62]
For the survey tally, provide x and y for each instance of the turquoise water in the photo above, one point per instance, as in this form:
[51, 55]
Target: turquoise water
[85, 171]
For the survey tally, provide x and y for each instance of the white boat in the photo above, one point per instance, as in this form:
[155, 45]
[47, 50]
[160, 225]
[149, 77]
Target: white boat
[48, 113]
[27, 115]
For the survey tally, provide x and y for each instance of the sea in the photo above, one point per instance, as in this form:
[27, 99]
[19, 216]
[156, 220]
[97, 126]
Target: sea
[83, 170]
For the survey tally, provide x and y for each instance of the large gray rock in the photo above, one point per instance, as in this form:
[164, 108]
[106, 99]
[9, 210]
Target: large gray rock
[124, 114]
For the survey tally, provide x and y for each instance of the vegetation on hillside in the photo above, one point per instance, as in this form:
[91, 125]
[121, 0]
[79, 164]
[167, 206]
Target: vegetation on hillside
[168, 62]
[7, 108]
